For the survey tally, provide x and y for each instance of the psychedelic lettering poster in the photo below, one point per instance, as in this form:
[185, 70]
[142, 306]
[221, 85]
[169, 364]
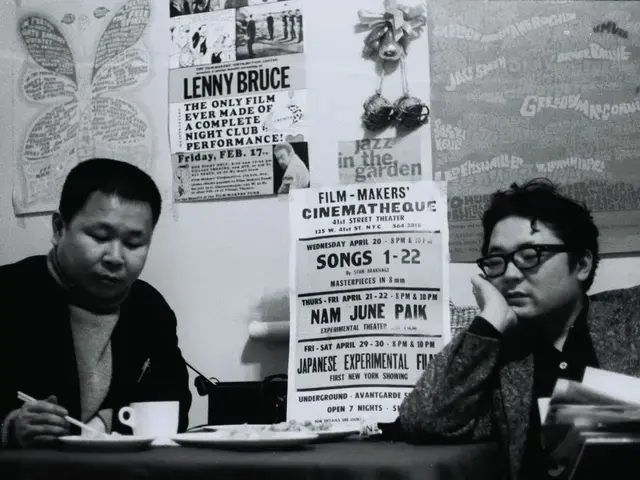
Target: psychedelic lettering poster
[534, 89]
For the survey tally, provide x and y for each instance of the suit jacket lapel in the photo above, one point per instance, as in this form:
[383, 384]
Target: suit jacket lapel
[63, 369]
[516, 388]
[69, 396]
[614, 333]
[120, 381]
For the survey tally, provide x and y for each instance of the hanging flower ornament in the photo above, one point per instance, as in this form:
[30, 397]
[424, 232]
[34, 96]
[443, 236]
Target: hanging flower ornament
[392, 29]
[387, 41]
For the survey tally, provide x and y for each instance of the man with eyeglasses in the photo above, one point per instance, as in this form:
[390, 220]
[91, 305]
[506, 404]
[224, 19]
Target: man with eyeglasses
[535, 325]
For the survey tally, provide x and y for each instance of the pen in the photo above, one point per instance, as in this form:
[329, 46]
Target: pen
[145, 366]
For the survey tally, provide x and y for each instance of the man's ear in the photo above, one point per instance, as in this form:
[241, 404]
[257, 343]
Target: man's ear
[584, 265]
[58, 227]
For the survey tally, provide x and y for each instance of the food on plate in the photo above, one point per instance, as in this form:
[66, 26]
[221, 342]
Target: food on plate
[306, 426]
[250, 432]
[247, 432]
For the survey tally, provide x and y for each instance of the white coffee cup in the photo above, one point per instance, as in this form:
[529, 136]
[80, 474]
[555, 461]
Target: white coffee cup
[151, 419]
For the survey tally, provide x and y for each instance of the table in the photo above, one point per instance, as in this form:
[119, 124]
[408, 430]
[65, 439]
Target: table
[361, 459]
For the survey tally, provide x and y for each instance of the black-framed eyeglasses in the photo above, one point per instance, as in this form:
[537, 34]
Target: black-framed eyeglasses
[524, 258]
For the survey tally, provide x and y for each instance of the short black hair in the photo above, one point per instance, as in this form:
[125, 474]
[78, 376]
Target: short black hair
[541, 200]
[111, 177]
[283, 146]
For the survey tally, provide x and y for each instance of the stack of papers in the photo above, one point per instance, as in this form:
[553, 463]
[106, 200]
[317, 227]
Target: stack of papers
[603, 401]
[589, 425]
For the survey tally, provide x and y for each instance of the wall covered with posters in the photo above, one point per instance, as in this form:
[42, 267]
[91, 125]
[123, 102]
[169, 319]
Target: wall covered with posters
[229, 257]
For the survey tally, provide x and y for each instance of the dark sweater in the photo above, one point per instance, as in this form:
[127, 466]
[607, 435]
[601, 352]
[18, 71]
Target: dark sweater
[37, 354]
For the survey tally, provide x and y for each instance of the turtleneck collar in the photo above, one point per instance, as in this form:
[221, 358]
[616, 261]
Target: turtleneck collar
[76, 295]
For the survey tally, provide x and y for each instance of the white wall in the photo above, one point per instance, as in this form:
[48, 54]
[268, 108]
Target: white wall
[221, 265]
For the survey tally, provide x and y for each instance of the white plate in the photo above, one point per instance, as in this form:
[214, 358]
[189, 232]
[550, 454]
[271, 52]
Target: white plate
[113, 443]
[336, 433]
[220, 439]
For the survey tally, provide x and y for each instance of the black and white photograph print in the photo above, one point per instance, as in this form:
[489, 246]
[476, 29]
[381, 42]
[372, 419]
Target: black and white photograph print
[204, 39]
[269, 30]
[290, 166]
[188, 7]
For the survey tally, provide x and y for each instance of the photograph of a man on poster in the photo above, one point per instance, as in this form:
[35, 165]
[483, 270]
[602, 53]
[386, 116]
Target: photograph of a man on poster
[269, 30]
[182, 181]
[291, 167]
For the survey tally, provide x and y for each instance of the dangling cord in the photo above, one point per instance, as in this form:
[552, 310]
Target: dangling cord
[379, 89]
[413, 112]
[403, 75]
[379, 92]
[378, 112]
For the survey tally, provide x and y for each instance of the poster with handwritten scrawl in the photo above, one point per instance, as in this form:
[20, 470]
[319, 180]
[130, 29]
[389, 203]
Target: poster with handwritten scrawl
[533, 89]
[85, 63]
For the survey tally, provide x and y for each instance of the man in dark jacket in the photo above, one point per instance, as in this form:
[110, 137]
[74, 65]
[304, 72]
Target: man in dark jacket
[251, 35]
[535, 324]
[270, 26]
[78, 330]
